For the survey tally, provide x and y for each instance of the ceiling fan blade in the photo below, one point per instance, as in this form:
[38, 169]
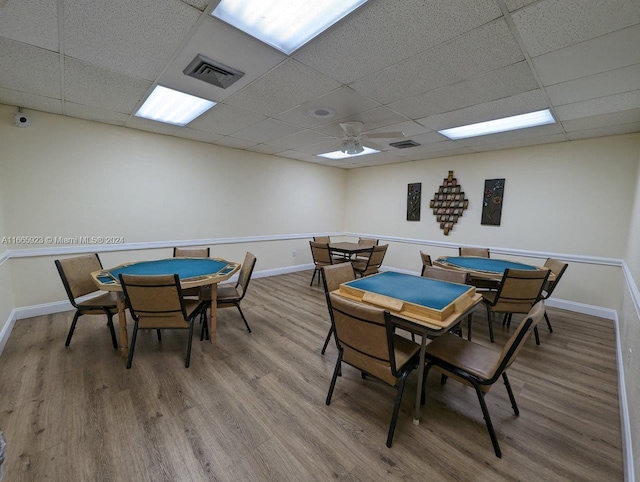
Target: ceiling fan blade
[384, 135]
[352, 128]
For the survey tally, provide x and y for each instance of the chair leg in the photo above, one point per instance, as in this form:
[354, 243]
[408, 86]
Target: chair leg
[363, 375]
[313, 277]
[424, 382]
[204, 333]
[114, 340]
[326, 340]
[487, 420]
[132, 346]
[469, 321]
[514, 405]
[243, 318]
[443, 379]
[159, 335]
[189, 342]
[546, 317]
[72, 329]
[396, 409]
[490, 320]
[334, 378]
[535, 332]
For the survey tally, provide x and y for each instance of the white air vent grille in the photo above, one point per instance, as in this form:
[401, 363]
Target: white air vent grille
[404, 144]
[212, 72]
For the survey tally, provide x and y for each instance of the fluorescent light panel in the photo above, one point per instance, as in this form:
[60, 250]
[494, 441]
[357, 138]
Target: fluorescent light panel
[284, 24]
[505, 124]
[173, 107]
[342, 155]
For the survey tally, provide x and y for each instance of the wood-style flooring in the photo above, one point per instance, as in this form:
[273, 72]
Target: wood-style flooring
[252, 406]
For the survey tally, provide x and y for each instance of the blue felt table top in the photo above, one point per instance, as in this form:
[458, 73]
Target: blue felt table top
[427, 292]
[485, 264]
[185, 268]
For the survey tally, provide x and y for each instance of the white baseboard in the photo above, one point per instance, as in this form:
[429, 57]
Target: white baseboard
[6, 330]
[606, 313]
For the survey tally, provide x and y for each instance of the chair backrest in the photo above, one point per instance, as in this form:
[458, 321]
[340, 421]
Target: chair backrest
[478, 252]
[332, 277]
[426, 261]
[76, 274]
[322, 239]
[557, 268]
[191, 252]
[155, 300]
[245, 273]
[320, 253]
[377, 256]
[367, 242]
[364, 335]
[519, 290]
[442, 274]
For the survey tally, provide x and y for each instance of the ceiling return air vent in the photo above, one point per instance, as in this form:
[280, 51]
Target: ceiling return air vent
[212, 72]
[404, 144]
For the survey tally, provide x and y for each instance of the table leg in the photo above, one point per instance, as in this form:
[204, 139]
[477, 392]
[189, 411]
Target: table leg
[122, 322]
[213, 326]
[423, 346]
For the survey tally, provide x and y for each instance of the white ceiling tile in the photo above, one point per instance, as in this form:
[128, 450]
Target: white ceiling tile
[196, 135]
[345, 101]
[20, 76]
[553, 24]
[531, 132]
[328, 145]
[299, 139]
[266, 149]
[298, 156]
[94, 86]
[430, 137]
[482, 50]
[602, 105]
[500, 83]
[409, 128]
[373, 119]
[428, 148]
[135, 38]
[234, 142]
[602, 120]
[615, 81]
[224, 120]
[516, 4]
[95, 114]
[30, 101]
[437, 154]
[605, 131]
[521, 143]
[151, 126]
[199, 4]
[34, 22]
[514, 105]
[286, 86]
[266, 130]
[611, 51]
[383, 33]
[224, 44]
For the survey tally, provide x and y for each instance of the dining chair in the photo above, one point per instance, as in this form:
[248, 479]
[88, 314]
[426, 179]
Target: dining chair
[332, 277]
[426, 261]
[191, 252]
[481, 366]
[321, 255]
[558, 268]
[366, 341]
[478, 252]
[75, 274]
[450, 276]
[230, 295]
[156, 303]
[322, 239]
[365, 243]
[372, 264]
[518, 291]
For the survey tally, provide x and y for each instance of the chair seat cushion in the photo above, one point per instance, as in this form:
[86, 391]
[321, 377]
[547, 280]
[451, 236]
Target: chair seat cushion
[94, 305]
[228, 292]
[479, 360]
[359, 265]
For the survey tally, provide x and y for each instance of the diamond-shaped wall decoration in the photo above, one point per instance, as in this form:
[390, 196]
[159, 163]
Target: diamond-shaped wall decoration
[448, 203]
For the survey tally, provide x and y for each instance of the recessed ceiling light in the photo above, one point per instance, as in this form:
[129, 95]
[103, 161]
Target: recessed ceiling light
[505, 124]
[343, 155]
[173, 107]
[284, 24]
[321, 112]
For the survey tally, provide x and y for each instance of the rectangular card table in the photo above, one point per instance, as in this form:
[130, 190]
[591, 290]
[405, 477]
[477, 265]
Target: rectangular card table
[191, 271]
[423, 306]
[483, 268]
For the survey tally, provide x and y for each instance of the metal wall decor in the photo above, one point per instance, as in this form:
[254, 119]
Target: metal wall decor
[449, 203]
[492, 202]
[414, 199]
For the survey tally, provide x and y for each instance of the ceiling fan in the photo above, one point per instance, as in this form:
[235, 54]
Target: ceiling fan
[353, 136]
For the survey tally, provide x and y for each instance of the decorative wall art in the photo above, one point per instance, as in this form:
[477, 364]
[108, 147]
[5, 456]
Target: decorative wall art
[448, 203]
[414, 198]
[492, 202]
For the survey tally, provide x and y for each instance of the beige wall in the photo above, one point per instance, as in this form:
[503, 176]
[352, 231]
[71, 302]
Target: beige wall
[69, 177]
[6, 298]
[571, 197]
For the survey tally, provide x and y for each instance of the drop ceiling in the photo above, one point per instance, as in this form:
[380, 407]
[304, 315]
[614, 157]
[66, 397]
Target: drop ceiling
[415, 66]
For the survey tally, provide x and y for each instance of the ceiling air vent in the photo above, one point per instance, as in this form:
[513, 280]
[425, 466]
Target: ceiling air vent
[212, 72]
[404, 144]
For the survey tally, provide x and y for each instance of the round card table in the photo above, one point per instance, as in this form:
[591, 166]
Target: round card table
[191, 271]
